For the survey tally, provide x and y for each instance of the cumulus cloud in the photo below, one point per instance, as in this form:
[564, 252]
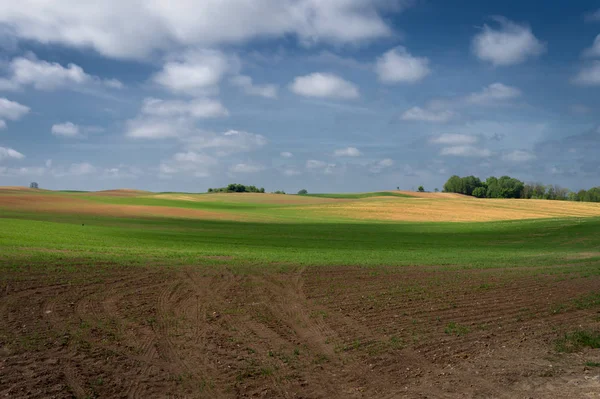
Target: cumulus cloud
[454, 139]
[399, 66]
[379, 166]
[250, 88]
[286, 154]
[518, 156]
[314, 164]
[494, 93]
[426, 115]
[121, 172]
[291, 172]
[466, 151]
[196, 109]
[43, 75]
[508, 44]
[156, 128]
[195, 72]
[347, 152]
[134, 29]
[246, 168]
[229, 142]
[2, 124]
[12, 110]
[190, 162]
[593, 16]
[67, 129]
[9, 153]
[594, 50]
[589, 75]
[324, 85]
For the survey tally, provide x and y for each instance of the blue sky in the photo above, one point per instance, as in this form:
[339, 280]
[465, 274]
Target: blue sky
[331, 96]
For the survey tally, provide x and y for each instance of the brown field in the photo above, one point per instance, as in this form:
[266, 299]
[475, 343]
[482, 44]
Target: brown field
[106, 331]
[74, 206]
[442, 208]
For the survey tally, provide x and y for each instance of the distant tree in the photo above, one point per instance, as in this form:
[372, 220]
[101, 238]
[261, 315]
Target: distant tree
[421, 189]
[453, 185]
[398, 188]
[303, 192]
[480, 192]
[279, 192]
[437, 190]
[34, 185]
[262, 190]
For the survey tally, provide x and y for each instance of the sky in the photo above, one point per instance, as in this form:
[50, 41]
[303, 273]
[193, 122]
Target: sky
[323, 95]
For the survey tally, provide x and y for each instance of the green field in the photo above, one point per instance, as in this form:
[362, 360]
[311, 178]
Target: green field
[33, 236]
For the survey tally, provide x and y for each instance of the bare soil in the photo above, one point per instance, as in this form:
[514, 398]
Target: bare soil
[206, 332]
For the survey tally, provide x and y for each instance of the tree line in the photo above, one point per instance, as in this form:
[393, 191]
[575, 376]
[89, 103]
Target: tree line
[237, 188]
[241, 188]
[509, 187]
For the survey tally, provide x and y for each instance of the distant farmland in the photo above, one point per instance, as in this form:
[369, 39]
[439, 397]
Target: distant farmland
[386, 294]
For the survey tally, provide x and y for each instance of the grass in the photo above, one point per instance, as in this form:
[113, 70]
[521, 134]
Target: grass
[53, 237]
[577, 340]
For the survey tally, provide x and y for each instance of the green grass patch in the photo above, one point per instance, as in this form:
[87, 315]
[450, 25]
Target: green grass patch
[456, 329]
[54, 238]
[577, 340]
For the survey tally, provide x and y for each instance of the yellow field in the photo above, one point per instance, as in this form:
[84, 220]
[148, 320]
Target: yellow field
[426, 207]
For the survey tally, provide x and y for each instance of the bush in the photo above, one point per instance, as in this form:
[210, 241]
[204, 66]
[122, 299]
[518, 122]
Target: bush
[303, 192]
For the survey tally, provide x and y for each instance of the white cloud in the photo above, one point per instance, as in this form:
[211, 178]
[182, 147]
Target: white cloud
[519, 156]
[248, 86]
[2, 124]
[291, 172]
[196, 72]
[425, 115]
[156, 128]
[122, 172]
[399, 66]
[579, 109]
[379, 166]
[135, 29]
[324, 85]
[494, 93]
[81, 169]
[589, 75]
[193, 163]
[466, 151]
[6, 153]
[12, 110]
[593, 16]
[197, 108]
[510, 44]
[594, 51]
[286, 154]
[246, 168]
[229, 142]
[314, 164]
[43, 75]
[67, 129]
[48, 163]
[23, 171]
[347, 152]
[454, 139]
